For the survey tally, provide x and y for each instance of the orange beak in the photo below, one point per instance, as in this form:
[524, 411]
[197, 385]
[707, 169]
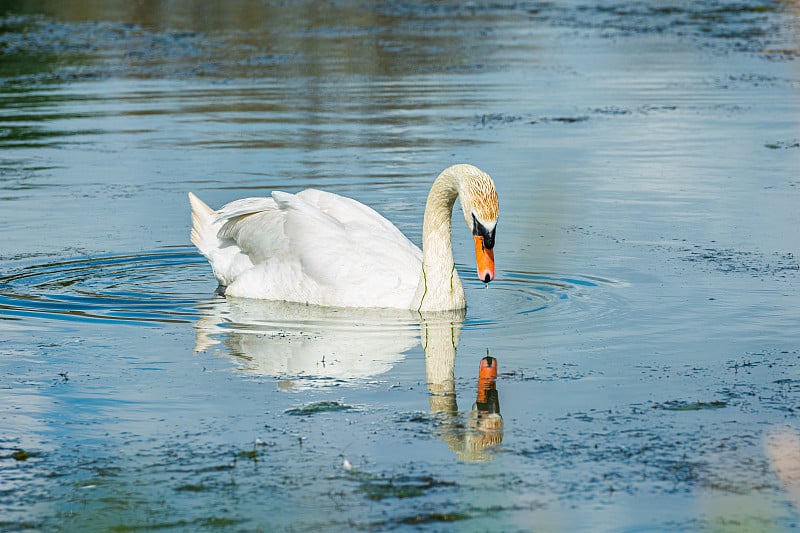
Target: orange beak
[485, 258]
[488, 368]
[487, 377]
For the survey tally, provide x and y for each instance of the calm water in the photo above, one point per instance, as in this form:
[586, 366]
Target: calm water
[645, 313]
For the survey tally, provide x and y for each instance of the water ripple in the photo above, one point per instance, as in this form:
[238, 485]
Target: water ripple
[142, 288]
[523, 294]
[167, 285]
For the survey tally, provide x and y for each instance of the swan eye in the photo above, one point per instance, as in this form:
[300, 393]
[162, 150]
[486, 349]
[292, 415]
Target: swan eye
[481, 231]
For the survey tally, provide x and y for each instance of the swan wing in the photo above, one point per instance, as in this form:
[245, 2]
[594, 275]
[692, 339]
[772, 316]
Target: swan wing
[244, 206]
[225, 257]
[352, 212]
[255, 227]
[321, 248]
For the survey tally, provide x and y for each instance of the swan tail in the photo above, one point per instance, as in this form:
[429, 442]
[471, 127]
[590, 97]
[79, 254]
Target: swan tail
[203, 234]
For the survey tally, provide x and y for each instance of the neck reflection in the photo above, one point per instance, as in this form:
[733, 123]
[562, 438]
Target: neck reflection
[470, 436]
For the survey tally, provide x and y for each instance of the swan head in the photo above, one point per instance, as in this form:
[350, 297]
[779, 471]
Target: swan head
[479, 203]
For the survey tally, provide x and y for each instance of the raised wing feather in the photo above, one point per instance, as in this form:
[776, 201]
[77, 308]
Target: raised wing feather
[244, 206]
[350, 212]
[321, 248]
[342, 242]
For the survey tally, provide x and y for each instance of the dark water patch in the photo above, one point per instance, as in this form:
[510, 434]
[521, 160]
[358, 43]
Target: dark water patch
[599, 461]
[612, 111]
[493, 120]
[236, 46]
[743, 25]
[746, 23]
[680, 405]
[216, 468]
[781, 54]
[563, 372]
[606, 449]
[380, 487]
[753, 80]
[429, 518]
[766, 381]
[24, 136]
[777, 265]
[783, 145]
[418, 417]
[497, 120]
[21, 455]
[222, 522]
[564, 120]
[73, 51]
[748, 362]
[728, 260]
[251, 455]
[141, 289]
[373, 38]
[318, 407]
[788, 381]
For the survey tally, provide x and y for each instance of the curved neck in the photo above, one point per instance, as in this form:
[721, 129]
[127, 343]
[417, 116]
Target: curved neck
[440, 287]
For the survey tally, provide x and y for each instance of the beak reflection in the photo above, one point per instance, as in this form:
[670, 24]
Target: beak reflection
[472, 439]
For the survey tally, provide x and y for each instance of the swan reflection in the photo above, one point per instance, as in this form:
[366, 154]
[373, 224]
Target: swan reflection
[286, 339]
[483, 427]
[302, 341]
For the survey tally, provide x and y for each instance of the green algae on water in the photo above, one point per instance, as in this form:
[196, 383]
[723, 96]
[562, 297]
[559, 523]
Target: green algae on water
[317, 407]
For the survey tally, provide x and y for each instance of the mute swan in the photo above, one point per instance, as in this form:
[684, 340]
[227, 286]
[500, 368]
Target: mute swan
[320, 248]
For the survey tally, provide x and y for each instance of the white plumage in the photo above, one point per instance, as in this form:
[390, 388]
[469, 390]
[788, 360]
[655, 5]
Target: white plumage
[320, 248]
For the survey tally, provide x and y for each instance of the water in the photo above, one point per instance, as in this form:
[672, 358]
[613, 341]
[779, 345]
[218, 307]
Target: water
[644, 316]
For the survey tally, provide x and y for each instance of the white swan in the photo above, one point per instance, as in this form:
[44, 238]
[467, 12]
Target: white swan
[320, 248]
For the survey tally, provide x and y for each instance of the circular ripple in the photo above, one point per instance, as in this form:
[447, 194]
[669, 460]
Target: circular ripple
[142, 288]
[514, 296]
[154, 287]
